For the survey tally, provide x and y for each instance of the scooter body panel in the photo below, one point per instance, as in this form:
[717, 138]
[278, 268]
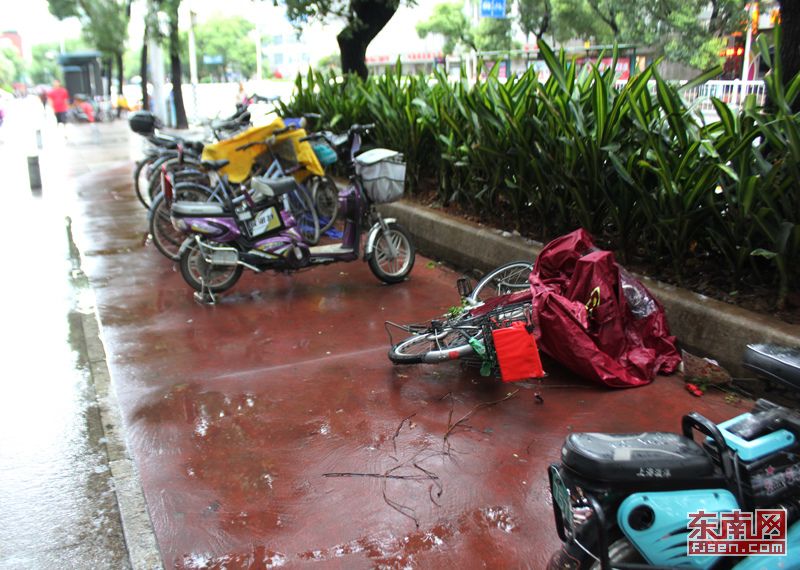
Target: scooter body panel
[656, 523]
[219, 228]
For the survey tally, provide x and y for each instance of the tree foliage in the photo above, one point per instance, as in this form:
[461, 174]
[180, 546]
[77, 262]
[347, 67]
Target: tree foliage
[449, 20]
[104, 24]
[534, 17]
[12, 67]
[673, 27]
[43, 67]
[228, 36]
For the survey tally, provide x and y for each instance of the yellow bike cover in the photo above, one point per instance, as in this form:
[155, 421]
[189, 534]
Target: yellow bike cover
[242, 161]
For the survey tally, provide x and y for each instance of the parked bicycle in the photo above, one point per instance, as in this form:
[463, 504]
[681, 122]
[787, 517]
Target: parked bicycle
[500, 300]
[176, 153]
[254, 232]
[279, 160]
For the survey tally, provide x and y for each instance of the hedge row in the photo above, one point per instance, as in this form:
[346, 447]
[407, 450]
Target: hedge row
[632, 164]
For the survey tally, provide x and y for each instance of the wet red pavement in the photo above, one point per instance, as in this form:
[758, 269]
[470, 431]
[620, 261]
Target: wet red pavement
[271, 430]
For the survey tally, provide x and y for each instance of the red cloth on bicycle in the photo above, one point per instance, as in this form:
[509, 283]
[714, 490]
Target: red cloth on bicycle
[595, 318]
[516, 352]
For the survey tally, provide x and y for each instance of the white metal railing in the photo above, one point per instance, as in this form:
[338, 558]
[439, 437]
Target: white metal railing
[730, 92]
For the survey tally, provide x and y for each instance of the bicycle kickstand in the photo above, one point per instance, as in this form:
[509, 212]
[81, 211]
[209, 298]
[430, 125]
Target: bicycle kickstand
[205, 297]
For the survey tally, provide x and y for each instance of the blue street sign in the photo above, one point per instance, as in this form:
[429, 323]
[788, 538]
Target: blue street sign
[210, 59]
[493, 8]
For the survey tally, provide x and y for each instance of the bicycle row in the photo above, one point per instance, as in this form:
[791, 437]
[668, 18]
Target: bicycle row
[268, 186]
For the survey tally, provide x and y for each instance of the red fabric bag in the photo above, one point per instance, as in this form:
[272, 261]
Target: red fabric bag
[595, 318]
[516, 352]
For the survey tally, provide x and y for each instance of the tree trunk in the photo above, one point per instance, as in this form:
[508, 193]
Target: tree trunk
[790, 43]
[120, 79]
[108, 64]
[120, 74]
[177, 93]
[143, 74]
[370, 18]
[175, 61]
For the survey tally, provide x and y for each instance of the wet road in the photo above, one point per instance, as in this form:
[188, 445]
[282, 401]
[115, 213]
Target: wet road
[57, 503]
[271, 430]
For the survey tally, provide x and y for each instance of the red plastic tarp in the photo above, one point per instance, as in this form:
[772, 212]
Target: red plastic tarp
[595, 318]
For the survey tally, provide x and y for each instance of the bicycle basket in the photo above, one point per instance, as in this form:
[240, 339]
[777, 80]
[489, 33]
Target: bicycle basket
[285, 154]
[383, 174]
[509, 347]
[325, 154]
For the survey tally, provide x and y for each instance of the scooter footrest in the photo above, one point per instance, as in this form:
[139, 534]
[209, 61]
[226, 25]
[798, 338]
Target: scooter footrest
[636, 457]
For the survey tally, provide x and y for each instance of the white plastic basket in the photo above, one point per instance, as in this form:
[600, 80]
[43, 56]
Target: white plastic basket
[383, 174]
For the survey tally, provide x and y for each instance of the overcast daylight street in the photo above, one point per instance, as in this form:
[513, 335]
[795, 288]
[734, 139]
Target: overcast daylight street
[458, 371]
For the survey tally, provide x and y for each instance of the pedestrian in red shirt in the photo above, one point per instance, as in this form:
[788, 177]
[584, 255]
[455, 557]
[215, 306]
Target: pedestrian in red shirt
[59, 99]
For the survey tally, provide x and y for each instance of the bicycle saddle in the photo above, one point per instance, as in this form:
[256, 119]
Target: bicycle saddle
[215, 164]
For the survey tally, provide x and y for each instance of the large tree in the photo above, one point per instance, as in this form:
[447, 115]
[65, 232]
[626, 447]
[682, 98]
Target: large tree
[170, 8]
[449, 20]
[104, 23]
[671, 26]
[364, 19]
[534, 17]
[228, 36]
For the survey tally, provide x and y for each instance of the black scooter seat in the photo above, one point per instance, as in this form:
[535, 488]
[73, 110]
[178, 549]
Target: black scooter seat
[643, 458]
[780, 364]
[273, 187]
[190, 209]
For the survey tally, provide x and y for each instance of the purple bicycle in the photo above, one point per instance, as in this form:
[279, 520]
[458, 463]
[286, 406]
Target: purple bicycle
[257, 231]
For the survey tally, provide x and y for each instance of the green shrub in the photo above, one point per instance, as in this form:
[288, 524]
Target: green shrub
[632, 164]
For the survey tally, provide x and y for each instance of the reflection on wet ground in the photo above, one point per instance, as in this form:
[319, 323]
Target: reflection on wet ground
[57, 496]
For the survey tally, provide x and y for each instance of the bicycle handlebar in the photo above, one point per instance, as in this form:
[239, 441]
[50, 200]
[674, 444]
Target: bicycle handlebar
[248, 145]
[362, 128]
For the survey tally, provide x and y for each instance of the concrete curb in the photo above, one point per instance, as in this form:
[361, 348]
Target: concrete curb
[137, 527]
[703, 326]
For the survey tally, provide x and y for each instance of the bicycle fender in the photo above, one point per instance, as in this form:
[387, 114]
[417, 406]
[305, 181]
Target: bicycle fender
[373, 236]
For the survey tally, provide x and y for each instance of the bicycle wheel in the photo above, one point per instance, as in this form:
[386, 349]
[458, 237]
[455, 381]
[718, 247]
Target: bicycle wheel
[166, 238]
[437, 345]
[302, 208]
[141, 177]
[172, 164]
[325, 196]
[200, 274]
[509, 278]
[393, 256]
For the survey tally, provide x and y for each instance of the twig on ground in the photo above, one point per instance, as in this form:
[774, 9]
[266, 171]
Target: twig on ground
[397, 431]
[452, 426]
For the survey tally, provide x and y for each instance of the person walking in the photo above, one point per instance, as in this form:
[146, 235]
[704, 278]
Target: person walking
[59, 99]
